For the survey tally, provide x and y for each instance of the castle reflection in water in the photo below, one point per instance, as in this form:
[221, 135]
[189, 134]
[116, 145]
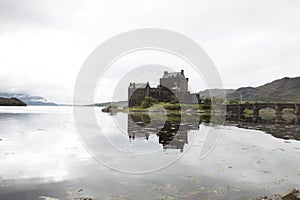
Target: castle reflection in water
[172, 131]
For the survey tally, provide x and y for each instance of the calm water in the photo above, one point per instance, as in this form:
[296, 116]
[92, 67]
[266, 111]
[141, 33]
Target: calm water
[42, 156]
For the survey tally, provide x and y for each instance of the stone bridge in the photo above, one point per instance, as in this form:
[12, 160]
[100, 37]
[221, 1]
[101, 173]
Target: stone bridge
[239, 109]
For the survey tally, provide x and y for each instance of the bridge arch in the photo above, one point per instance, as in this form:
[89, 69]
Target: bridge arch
[257, 107]
[281, 106]
[244, 107]
[239, 109]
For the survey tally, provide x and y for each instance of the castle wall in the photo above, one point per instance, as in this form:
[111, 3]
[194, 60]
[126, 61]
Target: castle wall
[136, 96]
[173, 88]
[176, 84]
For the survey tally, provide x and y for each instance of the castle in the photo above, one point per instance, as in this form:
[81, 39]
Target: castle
[173, 87]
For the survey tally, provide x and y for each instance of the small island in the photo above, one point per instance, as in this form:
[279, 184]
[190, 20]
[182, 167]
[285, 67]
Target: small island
[11, 102]
[170, 95]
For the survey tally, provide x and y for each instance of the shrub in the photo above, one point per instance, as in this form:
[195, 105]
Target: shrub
[171, 106]
[148, 102]
[207, 104]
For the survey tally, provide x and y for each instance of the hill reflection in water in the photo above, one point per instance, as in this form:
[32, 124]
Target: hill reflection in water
[172, 132]
[279, 127]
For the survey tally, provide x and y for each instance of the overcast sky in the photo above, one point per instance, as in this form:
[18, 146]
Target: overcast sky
[44, 43]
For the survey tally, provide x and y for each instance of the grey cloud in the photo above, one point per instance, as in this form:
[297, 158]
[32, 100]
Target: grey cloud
[20, 11]
[251, 42]
[20, 14]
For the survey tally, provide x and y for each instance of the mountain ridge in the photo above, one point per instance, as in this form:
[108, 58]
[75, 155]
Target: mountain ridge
[28, 99]
[281, 90]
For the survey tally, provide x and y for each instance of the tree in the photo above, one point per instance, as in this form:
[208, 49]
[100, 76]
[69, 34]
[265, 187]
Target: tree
[148, 102]
[207, 103]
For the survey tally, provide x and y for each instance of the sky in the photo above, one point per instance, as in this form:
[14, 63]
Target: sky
[43, 44]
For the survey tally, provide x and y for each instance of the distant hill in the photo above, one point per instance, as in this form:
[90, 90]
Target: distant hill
[117, 103]
[282, 90]
[28, 99]
[11, 102]
[215, 92]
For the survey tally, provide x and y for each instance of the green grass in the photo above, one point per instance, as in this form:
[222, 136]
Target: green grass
[170, 106]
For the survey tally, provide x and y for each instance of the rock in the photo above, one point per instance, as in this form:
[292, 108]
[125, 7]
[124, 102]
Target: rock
[292, 195]
[107, 109]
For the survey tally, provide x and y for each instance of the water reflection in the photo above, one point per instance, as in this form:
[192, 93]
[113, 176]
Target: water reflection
[172, 132]
[41, 155]
[279, 127]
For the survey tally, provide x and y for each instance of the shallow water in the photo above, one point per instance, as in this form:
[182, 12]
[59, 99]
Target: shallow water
[42, 155]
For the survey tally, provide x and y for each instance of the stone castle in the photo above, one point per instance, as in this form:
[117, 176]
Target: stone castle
[173, 87]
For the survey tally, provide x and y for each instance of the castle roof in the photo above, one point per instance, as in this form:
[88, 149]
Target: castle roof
[173, 74]
[138, 85]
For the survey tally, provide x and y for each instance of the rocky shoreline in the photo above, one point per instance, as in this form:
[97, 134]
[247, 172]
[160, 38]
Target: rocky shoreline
[292, 194]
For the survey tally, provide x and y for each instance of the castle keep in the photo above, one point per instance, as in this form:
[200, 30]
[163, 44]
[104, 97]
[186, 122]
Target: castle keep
[173, 87]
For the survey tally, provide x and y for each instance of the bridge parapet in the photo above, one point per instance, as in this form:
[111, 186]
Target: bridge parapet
[259, 106]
